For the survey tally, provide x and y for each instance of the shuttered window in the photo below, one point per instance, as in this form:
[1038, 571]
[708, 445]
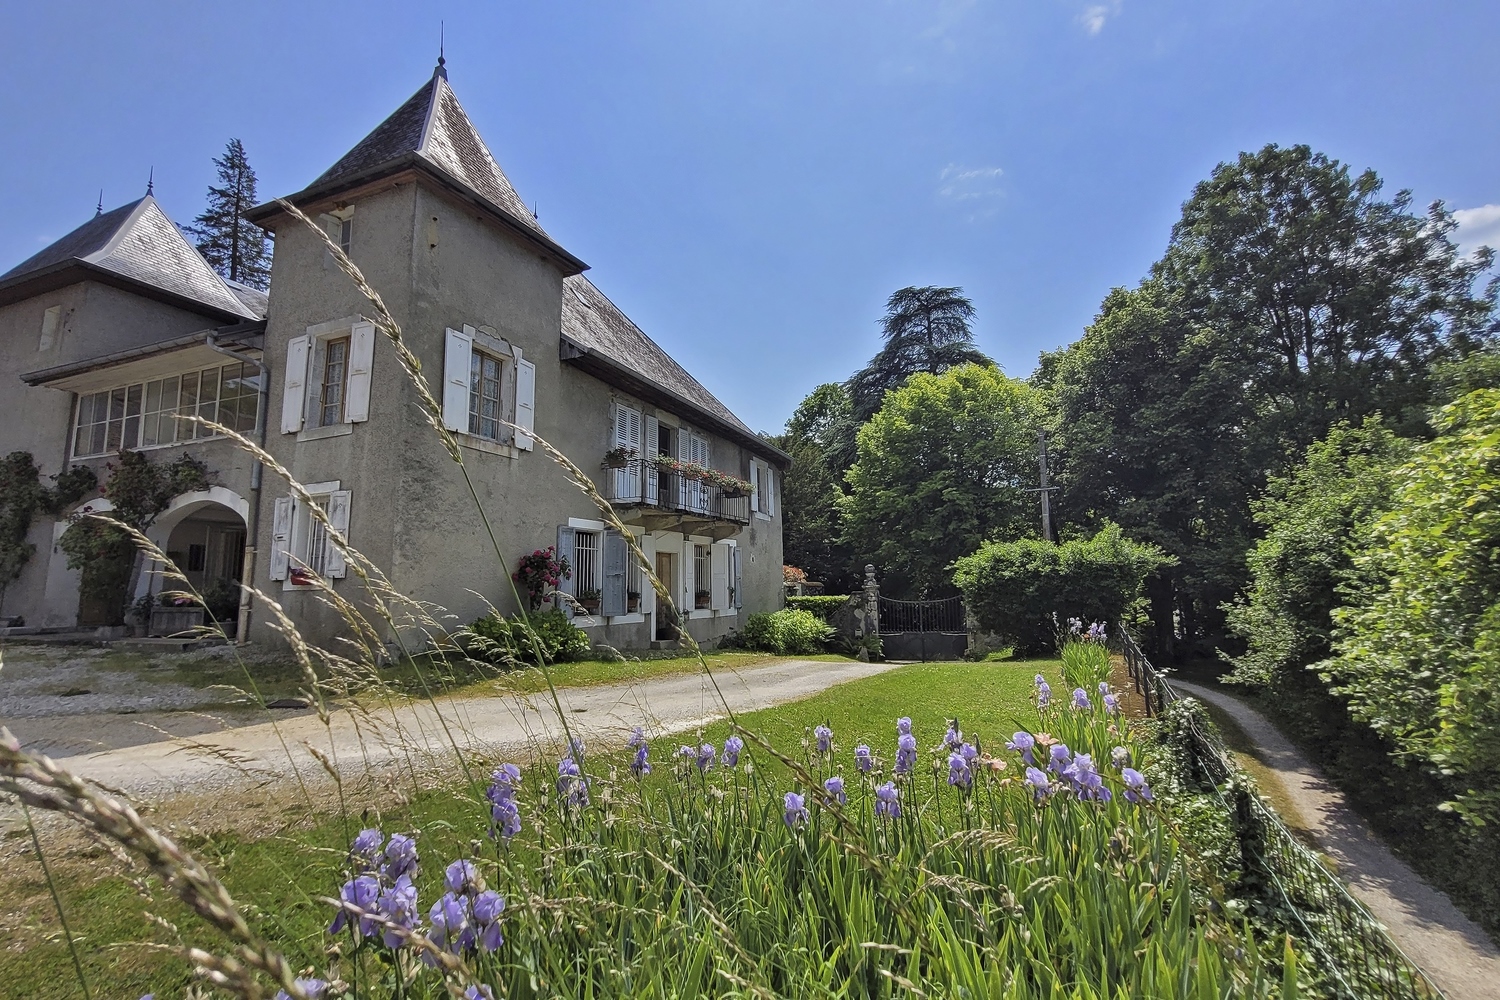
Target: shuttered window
[485, 413]
[303, 549]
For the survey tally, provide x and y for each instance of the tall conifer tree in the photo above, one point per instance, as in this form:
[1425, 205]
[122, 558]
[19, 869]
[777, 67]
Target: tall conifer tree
[232, 245]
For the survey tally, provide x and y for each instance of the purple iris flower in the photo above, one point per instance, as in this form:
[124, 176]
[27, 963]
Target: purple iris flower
[959, 774]
[1136, 789]
[1119, 757]
[479, 991]
[398, 904]
[1112, 704]
[795, 810]
[1023, 743]
[1085, 779]
[1081, 700]
[638, 766]
[505, 776]
[365, 851]
[969, 752]
[575, 747]
[505, 816]
[824, 736]
[1060, 756]
[452, 928]
[705, 759]
[463, 878]
[487, 908]
[637, 738]
[1043, 692]
[903, 726]
[733, 747]
[571, 784]
[834, 786]
[954, 738]
[1103, 688]
[906, 753]
[313, 989]
[362, 892]
[1039, 783]
[400, 857]
[863, 762]
[888, 801]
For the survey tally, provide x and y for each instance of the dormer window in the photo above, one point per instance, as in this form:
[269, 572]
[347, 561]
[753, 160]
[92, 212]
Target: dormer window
[339, 225]
[346, 234]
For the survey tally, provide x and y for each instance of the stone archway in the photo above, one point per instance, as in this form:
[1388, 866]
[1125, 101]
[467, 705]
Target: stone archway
[204, 534]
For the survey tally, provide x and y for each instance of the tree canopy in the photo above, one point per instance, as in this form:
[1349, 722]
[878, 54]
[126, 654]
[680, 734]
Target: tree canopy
[926, 329]
[943, 466]
[234, 246]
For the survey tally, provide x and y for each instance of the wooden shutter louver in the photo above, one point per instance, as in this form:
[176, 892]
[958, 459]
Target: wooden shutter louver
[361, 360]
[458, 349]
[525, 400]
[616, 562]
[294, 384]
[335, 567]
[281, 534]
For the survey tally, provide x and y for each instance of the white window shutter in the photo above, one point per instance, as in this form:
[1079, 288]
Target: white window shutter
[689, 585]
[458, 349]
[755, 484]
[653, 432]
[648, 592]
[525, 400]
[738, 577]
[334, 564]
[281, 536]
[770, 489]
[361, 358]
[718, 567]
[567, 585]
[294, 384]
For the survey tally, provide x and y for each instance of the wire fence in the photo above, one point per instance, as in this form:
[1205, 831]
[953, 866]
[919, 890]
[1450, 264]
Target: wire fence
[1355, 953]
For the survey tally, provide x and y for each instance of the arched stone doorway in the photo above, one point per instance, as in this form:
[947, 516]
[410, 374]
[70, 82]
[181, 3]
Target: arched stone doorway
[203, 533]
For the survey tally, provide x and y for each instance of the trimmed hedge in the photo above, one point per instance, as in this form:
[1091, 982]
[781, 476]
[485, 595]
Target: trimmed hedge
[1014, 589]
[824, 606]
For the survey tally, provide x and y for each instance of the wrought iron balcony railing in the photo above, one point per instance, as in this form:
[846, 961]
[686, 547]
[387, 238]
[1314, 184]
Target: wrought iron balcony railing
[641, 483]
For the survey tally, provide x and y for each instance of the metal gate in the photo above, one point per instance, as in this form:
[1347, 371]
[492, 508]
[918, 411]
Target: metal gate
[923, 630]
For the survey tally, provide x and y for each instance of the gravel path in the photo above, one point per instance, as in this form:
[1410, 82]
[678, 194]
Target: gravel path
[1449, 947]
[423, 735]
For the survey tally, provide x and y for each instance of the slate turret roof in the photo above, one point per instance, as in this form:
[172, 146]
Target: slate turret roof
[138, 247]
[432, 132]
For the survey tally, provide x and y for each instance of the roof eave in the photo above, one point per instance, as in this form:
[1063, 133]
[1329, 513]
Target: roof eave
[566, 262]
[245, 334]
[55, 276]
[609, 370]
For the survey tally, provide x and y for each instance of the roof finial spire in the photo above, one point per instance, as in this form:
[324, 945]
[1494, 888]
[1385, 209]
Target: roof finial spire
[151, 180]
[441, 71]
[99, 209]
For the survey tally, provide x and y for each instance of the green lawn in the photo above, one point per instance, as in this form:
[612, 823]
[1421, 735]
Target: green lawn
[277, 878]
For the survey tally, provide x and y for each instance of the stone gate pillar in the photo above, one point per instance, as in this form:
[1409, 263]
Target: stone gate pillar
[870, 611]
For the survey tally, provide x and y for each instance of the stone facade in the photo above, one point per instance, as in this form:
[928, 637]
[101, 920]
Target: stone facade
[507, 331]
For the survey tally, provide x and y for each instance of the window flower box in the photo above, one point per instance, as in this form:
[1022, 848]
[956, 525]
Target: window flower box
[618, 458]
[702, 599]
[633, 602]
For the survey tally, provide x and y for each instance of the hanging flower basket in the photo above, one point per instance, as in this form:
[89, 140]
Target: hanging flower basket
[618, 458]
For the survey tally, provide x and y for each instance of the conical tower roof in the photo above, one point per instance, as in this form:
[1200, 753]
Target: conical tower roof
[432, 131]
[135, 244]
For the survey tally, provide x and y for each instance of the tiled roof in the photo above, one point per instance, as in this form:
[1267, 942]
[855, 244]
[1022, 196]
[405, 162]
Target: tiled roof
[433, 127]
[593, 322]
[139, 243]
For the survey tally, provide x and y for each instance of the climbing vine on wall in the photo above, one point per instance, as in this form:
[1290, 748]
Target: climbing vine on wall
[139, 491]
[22, 496]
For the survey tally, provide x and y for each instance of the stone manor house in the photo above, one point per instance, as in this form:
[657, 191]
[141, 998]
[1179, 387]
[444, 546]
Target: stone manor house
[112, 332]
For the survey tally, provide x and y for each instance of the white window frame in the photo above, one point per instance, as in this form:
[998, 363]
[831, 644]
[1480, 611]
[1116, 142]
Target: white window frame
[302, 387]
[131, 419]
[305, 530]
[517, 377]
[689, 603]
[722, 602]
[762, 489]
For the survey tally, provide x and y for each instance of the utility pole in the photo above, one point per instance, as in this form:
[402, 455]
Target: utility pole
[1041, 440]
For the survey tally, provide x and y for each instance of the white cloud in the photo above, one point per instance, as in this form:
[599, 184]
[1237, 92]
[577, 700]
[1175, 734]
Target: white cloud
[1094, 16]
[1478, 227]
[968, 183]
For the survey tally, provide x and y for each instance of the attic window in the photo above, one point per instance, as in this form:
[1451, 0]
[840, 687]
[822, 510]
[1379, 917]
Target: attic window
[346, 234]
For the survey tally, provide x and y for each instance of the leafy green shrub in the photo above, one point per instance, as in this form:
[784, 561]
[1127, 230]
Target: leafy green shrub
[1014, 589]
[822, 606]
[789, 632]
[504, 640]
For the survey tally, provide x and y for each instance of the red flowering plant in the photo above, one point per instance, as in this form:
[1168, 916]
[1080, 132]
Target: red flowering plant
[540, 573]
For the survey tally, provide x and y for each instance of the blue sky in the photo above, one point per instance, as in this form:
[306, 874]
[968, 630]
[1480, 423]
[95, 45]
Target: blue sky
[750, 180]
